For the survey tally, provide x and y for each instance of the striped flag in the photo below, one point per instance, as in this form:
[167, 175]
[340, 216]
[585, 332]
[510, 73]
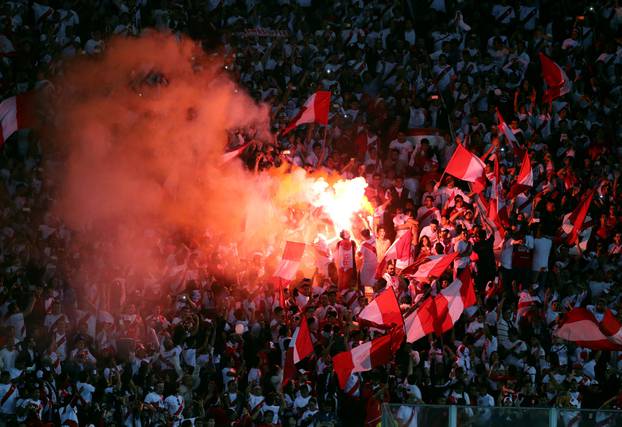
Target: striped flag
[315, 110]
[574, 222]
[383, 310]
[440, 314]
[434, 267]
[466, 166]
[300, 346]
[452, 301]
[399, 251]
[579, 325]
[524, 181]
[509, 135]
[367, 356]
[288, 267]
[556, 80]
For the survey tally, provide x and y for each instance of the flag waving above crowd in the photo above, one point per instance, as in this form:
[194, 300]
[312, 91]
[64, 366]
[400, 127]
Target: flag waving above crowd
[314, 110]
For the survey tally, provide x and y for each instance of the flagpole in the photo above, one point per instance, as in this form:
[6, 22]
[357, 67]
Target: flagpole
[440, 181]
[321, 159]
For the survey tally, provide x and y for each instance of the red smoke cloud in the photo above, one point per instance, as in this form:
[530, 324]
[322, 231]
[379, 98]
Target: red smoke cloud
[134, 155]
[140, 132]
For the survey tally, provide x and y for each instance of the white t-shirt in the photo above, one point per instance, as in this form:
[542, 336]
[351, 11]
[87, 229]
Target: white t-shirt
[503, 14]
[301, 402]
[174, 405]
[506, 254]
[17, 321]
[86, 391]
[400, 219]
[407, 415]
[428, 231]
[405, 148]
[463, 260]
[10, 394]
[154, 399]
[8, 357]
[541, 252]
[275, 412]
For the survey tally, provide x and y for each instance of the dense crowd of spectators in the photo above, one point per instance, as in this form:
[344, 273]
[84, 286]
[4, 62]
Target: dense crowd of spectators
[206, 350]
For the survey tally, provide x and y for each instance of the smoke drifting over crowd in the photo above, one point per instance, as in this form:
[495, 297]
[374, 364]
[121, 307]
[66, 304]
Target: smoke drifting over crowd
[141, 131]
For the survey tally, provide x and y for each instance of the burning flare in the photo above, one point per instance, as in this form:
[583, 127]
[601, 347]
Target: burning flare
[341, 200]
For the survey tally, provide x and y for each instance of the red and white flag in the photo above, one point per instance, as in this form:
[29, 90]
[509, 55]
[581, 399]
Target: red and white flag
[434, 267]
[556, 80]
[524, 181]
[580, 326]
[574, 222]
[420, 322]
[452, 301]
[300, 346]
[527, 304]
[509, 135]
[315, 110]
[367, 356]
[440, 314]
[400, 251]
[288, 267]
[230, 155]
[13, 116]
[383, 310]
[484, 213]
[466, 166]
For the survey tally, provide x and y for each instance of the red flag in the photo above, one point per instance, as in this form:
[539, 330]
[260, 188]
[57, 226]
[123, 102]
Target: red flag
[556, 80]
[524, 181]
[14, 115]
[383, 310]
[577, 217]
[300, 346]
[465, 165]
[434, 267]
[579, 325]
[367, 356]
[315, 110]
[400, 251]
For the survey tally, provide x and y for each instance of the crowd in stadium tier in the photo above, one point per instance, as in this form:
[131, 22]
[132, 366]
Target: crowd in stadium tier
[212, 352]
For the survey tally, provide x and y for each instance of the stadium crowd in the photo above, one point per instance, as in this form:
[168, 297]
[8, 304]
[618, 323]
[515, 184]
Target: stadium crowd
[205, 350]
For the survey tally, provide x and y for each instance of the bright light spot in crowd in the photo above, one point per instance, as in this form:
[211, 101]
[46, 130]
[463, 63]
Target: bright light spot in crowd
[341, 200]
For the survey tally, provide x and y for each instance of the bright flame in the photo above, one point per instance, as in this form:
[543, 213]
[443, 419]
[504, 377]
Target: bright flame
[341, 200]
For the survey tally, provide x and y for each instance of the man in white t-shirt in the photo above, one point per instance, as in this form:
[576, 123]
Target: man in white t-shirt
[428, 212]
[8, 395]
[174, 405]
[540, 257]
[404, 146]
[431, 231]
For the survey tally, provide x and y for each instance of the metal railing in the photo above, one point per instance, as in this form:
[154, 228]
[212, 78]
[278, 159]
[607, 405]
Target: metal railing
[404, 415]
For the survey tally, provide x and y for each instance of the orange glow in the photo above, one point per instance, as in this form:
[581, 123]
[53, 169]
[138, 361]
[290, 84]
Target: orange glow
[340, 200]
